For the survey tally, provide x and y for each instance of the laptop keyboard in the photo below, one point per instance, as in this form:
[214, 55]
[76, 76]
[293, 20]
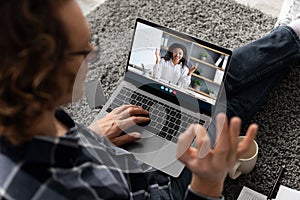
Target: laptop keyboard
[166, 121]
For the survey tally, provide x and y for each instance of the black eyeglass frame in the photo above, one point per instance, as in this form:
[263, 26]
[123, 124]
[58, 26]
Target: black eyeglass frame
[91, 55]
[85, 53]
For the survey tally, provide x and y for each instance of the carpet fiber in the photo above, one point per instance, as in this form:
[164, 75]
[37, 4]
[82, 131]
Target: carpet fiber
[223, 22]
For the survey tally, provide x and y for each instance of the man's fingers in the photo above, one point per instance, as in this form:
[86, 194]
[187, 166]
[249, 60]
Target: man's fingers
[120, 109]
[234, 131]
[235, 126]
[129, 110]
[188, 154]
[203, 143]
[222, 138]
[222, 124]
[126, 138]
[183, 151]
[245, 144]
[138, 111]
[126, 116]
[129, 122]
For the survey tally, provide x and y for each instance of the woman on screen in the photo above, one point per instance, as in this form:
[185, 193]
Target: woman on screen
[173, 66]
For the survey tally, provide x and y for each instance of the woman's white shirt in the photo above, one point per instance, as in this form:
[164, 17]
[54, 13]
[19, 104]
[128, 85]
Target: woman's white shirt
[171, 73]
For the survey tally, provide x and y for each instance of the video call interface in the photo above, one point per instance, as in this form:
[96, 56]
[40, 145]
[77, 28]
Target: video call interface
[199, 76]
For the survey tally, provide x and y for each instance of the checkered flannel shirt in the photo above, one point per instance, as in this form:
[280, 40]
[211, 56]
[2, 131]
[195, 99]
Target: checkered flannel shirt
[80, 165]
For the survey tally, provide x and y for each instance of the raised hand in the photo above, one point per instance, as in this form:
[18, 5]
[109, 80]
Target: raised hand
[192, 69]
[157, 55]
[210, 171]
[118, 121]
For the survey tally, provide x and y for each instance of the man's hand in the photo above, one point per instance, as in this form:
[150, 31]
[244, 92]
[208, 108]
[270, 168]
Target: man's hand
[118, 121]
[210, 171]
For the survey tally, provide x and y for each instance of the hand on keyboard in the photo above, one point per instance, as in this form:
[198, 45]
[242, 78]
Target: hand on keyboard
[166, 121]
[118, 121]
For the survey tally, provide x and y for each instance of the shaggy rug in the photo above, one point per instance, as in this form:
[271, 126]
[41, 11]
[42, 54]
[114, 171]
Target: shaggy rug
[223, 22]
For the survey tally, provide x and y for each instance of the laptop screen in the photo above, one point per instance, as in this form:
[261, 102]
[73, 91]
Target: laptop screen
[175, 66]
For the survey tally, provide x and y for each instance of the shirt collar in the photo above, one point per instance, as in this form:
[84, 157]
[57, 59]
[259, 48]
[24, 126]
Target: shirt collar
[47, 150]
[54, 151]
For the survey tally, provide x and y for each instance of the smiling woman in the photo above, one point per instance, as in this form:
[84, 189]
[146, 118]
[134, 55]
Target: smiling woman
[173, 66]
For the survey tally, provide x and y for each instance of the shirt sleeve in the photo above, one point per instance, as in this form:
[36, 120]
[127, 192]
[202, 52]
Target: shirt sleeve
[191, 195]
[157, 68]
[184, 80]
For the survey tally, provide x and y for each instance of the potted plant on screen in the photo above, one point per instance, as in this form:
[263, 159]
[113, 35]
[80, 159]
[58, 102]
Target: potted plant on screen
[203, 56]
[198, 71]
[212, 93]
[197, 84]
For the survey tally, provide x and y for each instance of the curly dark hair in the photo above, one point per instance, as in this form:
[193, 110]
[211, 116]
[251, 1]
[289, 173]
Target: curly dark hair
[32, 44]
[169, 54]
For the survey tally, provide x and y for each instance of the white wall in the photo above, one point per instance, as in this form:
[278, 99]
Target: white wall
[146, 40]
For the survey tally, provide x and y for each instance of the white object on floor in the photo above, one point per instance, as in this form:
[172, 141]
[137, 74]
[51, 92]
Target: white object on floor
[289, 9]
[249, 194]
[266, 6]
[285, 193]
[88, 5]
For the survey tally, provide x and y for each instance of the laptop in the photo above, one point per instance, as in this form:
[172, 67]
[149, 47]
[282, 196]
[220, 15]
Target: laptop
[172, 106]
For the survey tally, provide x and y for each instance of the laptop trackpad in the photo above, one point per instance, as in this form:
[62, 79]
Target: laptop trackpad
[148, 143]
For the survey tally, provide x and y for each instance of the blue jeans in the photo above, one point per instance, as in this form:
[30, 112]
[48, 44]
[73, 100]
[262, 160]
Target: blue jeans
[254, 69]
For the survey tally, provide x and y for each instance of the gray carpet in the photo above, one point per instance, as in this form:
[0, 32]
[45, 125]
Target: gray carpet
[225, 23]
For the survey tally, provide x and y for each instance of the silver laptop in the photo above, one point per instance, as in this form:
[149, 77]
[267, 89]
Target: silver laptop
[173, 106]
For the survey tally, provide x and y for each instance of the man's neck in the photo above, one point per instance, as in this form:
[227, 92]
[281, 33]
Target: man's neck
[44, 125]
[49, 125]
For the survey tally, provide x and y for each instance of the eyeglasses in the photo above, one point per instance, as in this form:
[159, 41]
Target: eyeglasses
[89, 55]
[85, 53]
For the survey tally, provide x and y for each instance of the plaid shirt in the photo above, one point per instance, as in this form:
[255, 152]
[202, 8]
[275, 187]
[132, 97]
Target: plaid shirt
[80, 165]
